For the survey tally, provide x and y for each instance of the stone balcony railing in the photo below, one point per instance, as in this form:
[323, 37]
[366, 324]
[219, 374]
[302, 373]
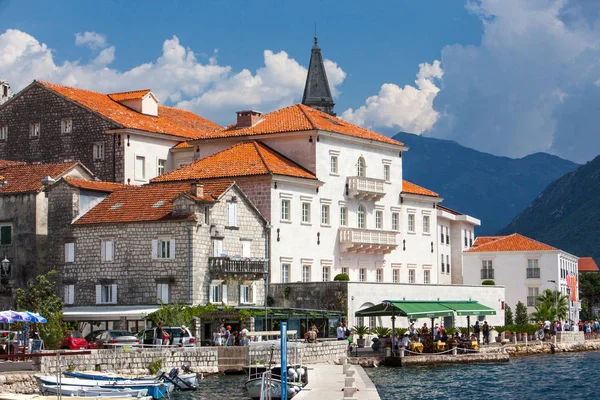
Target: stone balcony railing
[231, 265]
[367, 241]
[363, 188]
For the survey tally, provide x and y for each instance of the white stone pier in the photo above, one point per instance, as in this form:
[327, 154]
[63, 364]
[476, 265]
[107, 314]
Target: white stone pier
[331, 382]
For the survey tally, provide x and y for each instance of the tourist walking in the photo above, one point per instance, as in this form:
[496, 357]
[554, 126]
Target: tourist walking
[477, 330]
[161, 337]
[486, 333]
[340, 331]
[217, 337]
[244, 336]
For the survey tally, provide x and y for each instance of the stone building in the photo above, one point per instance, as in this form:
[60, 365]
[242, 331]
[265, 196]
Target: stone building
[23, 221]
[191, 243]
[121, 137]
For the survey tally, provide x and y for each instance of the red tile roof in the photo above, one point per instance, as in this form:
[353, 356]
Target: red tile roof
[183, 145]
[171, 121]
[243, 159]
[481, 240]
[299, 117]
[587, 264]
[147, 203]
[448, 210]
[8, 163]
[408, 187]
[99, 186]
[132, 95]
[27, 178]
[514, 242]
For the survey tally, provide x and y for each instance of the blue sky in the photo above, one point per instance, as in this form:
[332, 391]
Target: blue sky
[496, 75]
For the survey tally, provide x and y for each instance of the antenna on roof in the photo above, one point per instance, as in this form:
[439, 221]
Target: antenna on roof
[315, 33]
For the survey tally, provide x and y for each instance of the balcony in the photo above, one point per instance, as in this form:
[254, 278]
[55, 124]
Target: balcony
[487, 273]
[533, 273]
[367, 241]
[223, 266]
[363, 188]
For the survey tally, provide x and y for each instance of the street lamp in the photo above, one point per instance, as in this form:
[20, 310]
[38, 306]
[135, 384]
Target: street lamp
[5, 267]
[555, 298]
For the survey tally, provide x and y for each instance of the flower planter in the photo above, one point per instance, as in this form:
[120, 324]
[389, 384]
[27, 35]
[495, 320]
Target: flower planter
[360, 343]
[498, 339]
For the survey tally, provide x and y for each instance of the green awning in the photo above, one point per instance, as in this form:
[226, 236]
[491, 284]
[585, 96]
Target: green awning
[425, 309]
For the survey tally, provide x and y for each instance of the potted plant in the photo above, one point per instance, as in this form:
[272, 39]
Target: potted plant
[381, 331]
[400, 332]
[500, 329]
[361, 331]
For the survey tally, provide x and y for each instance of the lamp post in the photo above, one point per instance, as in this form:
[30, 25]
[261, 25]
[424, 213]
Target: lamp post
[555, 298]
[5, 267]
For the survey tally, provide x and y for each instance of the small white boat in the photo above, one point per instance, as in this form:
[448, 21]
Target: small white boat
[253, 387]
[13, 396]
[155, 389]
[83, 391]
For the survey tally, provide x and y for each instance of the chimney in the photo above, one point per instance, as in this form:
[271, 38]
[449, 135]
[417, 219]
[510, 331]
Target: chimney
[248, 118]
[198, 189]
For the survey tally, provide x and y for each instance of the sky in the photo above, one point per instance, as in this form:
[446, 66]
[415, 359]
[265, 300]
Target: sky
[508, 77]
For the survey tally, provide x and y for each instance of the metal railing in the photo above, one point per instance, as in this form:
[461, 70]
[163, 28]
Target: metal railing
[533, 273]
[487, 273]
[237, 265]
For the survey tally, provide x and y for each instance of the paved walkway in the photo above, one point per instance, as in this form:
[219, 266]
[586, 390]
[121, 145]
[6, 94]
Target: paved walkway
[327, 381]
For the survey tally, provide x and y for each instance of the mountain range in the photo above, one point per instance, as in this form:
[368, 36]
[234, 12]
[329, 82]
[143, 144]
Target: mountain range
[491, 188]
[566, 214]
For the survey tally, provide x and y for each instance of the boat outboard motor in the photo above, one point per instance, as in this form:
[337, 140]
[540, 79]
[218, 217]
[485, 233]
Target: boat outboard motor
[180, 384]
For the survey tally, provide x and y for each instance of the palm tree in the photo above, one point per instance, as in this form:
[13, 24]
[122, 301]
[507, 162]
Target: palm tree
[547, 303]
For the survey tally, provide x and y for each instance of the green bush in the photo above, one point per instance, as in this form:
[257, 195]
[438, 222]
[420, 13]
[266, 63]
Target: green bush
[488, 282]
[381, 331]
[341, 277]
[155, 366]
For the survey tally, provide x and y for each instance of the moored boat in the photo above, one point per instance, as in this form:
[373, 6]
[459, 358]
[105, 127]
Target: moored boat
[14, 396]
[157, 390]
[254, 387]
[83, 391]
[189, 379]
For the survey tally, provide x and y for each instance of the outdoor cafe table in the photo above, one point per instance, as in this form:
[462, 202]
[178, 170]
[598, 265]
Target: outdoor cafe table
[440, 346]
[416, 347]
[474, 345]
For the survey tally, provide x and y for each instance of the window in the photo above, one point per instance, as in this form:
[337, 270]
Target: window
[361, 167]
[425, 223]
[361, 217]
[426, 276]
[246, 248]
[380, 275]
[217, 247]
[325, 214]
[345, 270]
[245, 294]
[379, 219]
[386, 172]
[207, 215]
[532, 294]
[161, 167]
[66, 126]
[396, 275]
[325, 274]
[4, 132]
[362, 275]
[447, 235]
[285, 273]
[306, 273]
[215, 294]
[411, 276]
[69, 298]
[466, 240]
[306, 213]
[395, 221]
[69, 252]
[285, 210]
[34, 129]
[470, 239]
[334, 165]
[140, 168]
[163, 249]
[447, 264]
[99, 151]
[106, 294]
[443, 265]
[441, 234]
[107, 250]
[411, 223]
[533, 269]
[343, 216]
[231, 214]
[487, 269]
[162, 293]
[372, 322]
[5, 234]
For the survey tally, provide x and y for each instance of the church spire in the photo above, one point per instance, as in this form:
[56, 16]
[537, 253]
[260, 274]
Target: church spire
[316, 91]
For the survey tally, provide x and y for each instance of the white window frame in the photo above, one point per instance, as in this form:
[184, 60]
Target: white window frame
[343, 216]
[139, 172]
[426, 276]
[412, 273]
[246, 248]
[410, 222]
[395, 221]
[69, 294]
[98, 149]
[379, 276]
[387, 172]
[163, 248]
[107, 250]
[345, 270]
[361, 167]
[285, 272]
[215, 294]
[426, 224]
[246, 294]
[66, 126]
[334, 165]
[35, 129]
[396, 275]
[378, 219]
[106, 293]
[207, 215]
[306, 273]
[325, 214]
[162, 293]
[286, 207]
[326, 274]
[305, 212]
[232, 214]
[361, 217]
[69, 252]
[161, 166]
[362, 275]
[4, 132]
[217, 246]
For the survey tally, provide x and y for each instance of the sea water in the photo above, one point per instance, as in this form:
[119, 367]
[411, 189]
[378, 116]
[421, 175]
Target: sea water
[556, 376]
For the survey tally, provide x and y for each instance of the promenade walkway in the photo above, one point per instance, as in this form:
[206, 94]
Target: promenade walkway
[327, 381]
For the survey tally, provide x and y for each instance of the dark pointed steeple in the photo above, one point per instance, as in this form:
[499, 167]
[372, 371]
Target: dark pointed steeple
[316, 91]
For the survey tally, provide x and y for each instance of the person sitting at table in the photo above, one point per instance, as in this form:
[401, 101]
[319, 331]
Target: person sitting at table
[444, 336]
[405, 341]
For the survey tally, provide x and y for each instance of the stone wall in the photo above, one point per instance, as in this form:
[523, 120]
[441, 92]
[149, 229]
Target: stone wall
[18, 382]
[39, 104]
[308, 353]
[570, 337]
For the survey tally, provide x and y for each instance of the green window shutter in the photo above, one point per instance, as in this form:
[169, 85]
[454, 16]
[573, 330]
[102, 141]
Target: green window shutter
[5, 235]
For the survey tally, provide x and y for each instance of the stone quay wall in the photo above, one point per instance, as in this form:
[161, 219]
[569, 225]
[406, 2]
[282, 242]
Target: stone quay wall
[18, 382]
[308, 353]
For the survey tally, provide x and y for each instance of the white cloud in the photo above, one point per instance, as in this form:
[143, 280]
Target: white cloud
[176, 77]
[408, 109]
[92, 40]
[531, 83]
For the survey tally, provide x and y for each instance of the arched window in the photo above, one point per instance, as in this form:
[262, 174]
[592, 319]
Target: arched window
[361, 168]
[362, 217]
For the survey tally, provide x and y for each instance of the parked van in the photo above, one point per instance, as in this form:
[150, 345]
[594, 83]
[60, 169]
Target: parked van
[176, 336]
